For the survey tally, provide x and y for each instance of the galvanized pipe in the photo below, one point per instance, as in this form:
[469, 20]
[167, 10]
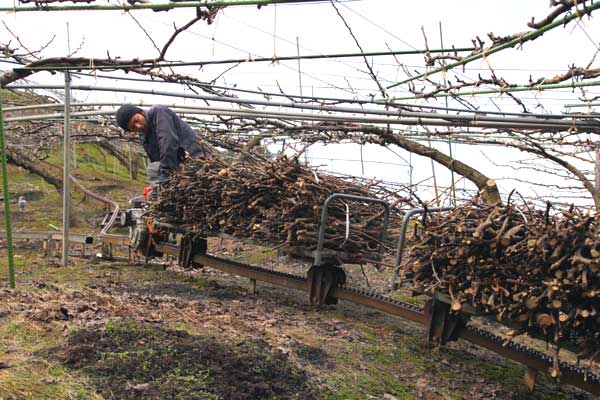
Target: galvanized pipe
[325, 212]
[432, 119]
[509, 89]
[543, 118]
[402, 239]
[95, 66]
[6, 196]
[385, 102]
[156, 7]
[48, 235]
[417, 117]
[66, 173]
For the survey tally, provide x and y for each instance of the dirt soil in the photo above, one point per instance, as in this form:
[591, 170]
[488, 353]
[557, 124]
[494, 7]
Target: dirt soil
[124, 331]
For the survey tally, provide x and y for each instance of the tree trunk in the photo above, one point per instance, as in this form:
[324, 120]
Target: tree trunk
[121, 157]
[487, 187]
[27, 160]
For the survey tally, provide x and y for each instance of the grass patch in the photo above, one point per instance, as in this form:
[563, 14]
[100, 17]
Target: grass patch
[31, 376]
[176, 365]
[408, 298]
[43, 381]
[256, 255]
[510, 375]
[360, 385]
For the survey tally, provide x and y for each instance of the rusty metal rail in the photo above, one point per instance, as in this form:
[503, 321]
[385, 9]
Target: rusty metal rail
[534, 360]
[49, 235]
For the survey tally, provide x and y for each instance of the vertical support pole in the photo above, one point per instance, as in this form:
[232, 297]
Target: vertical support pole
[74, 155]
[453, 187]
[6, 196]
[69, 52]
[435, 185]
[299, 71]
[66, 173]
[130, 160]
[597, 169]
[300, 86]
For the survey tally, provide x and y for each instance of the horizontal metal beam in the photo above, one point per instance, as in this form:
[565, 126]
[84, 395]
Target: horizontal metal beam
[49, 235]
[98, 66]
[115, 239]
[156, 7]
[400, 117]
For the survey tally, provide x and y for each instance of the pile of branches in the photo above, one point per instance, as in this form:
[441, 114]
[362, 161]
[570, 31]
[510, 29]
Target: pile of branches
[277, 202]
[525, 266]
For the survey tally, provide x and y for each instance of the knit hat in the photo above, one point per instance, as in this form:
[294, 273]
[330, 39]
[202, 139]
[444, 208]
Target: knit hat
[124, 114]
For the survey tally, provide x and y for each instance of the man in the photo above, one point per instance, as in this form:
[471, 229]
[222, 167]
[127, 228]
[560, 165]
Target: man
[166, 138]
[22, 203]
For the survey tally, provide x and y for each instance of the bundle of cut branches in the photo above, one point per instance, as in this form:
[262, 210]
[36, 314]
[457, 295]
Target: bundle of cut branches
[526, 266]
[275, 202]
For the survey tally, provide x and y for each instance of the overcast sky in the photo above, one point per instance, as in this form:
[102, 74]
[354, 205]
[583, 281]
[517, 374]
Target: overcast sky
[379, 25]
[240, 32]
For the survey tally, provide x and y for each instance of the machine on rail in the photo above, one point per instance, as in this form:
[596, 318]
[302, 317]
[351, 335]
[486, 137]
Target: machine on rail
[325, 282]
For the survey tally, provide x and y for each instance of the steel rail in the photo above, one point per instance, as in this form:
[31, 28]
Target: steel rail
[49, 235]
[323, 99]
[125, 7]
[521, 116]
[96, 65]
[412, 117]
[572, 375]
[401, 119]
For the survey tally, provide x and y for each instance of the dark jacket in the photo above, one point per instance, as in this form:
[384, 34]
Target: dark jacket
[168, 138]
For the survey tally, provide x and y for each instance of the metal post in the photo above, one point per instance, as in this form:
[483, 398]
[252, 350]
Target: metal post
[74, 155]
[69, 52]
[325, 212]
[402, 238]
[130, 160]
[597, 169]
[452, 185]
[9, 245]
[300, 87]
[299, 70]
[66, 161]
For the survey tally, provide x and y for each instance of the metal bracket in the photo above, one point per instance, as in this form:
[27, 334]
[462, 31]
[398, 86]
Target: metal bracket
[442, 325]
[530, 378]
[192, 243]
[322, 280]
[386, 219]
[402, 238]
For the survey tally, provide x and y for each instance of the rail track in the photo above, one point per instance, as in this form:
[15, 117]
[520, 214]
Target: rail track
[535, 361]
[439, 325]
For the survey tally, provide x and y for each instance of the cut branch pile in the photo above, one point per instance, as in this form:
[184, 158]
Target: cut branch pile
[275, 202]
[525, 266]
